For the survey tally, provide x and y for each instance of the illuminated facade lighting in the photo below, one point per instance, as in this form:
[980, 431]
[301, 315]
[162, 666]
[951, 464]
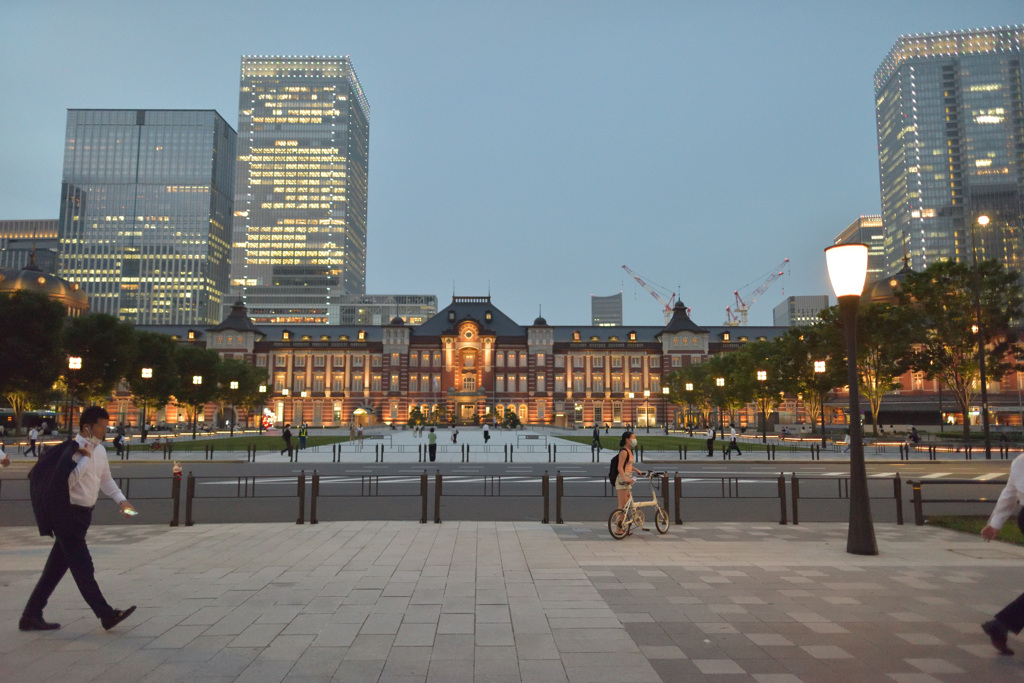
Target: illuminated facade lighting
[146, 211]
[948, 146]
[301, 188]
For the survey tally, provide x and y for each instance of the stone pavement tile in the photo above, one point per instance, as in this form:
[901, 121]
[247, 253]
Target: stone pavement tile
[678, 670]
[416, 635]
[934, 666]
[495, 661]
[826, 652]
[914, 678]
[458, 605]
[278, 614]
[257, 635]
[382, 624]
[450, 670]
[718, 666]
[370, 647]
[920, 638]
[177, 637]
[662, 652]
[494, 635]
[453, 646]
[288, 648]
[492, 614]
[306, 624]
[775, 678]
[432, 596]
[233, 624]
[359, 670]
[421, 614]
[318, 661]
[407, 661]
[169, 672]
[648, 634]
[542, 671]
[350, 614]
[530, 646]
[230, 661]
[593, 640]
[336, 635]
[455, 623]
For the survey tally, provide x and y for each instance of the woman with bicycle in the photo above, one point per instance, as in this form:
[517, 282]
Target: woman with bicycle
[624, 481]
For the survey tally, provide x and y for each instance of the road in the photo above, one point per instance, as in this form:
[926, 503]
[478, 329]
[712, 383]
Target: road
[711, 491]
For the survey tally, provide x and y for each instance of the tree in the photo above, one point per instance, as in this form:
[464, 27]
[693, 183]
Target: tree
[248, 379]
[750, 361]
[795, 354]
[157, 353]
[943, 294]
[701, 394]
[31, 360]
[195, 361]
[511, 420]
[107, 349]
[415, 417]
[885, 339]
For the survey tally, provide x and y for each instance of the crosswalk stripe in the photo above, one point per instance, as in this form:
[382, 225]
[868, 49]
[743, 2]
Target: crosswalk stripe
[936, 475]
[882, 474]
[990, 475]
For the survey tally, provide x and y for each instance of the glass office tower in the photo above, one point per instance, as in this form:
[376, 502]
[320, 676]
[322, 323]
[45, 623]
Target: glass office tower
[145, 215]
[301, 188]
[951, 146]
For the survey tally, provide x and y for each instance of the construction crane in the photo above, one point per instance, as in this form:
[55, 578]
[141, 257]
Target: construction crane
[666, 305]
[738, 315]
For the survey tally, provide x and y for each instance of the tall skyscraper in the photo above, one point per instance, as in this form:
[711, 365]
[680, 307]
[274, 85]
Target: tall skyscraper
[951, 146]
[301, 189]
[606, 311]
[868, 230]
[24, 241]
[145, 214]
[795, 311]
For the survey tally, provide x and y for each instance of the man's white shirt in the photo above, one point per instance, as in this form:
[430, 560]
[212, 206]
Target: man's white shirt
[1010, 496]
[91, 475]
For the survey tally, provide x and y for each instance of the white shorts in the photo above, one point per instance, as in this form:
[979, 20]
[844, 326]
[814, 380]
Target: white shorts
[622, 484]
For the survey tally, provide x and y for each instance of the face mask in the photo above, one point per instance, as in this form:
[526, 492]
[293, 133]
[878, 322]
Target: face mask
[94, 440]
[632, 443]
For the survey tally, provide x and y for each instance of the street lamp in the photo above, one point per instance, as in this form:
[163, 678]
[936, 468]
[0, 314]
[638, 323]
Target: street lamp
[632, 409]
[74, 363]
[263, 397]
[234, 387]
[980, 331]
[720, 382]
[847, 269]
[647, 415]
[819, 369]
[197, 380]
[664, 401]
[762, 376]
[689, 404]
[147, 374]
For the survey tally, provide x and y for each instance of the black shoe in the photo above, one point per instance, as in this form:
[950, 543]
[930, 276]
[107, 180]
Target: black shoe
[997, 633]
[36, 624]
[116, 617]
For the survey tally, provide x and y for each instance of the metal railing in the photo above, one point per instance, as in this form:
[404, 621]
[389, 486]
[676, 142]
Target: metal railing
[843, 492]
[919, 500]
[369, 486]
[245, 487]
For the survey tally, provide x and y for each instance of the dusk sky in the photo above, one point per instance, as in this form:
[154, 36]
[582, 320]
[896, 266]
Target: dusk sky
[529, 148]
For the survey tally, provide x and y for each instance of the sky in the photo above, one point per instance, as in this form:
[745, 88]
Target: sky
[528, 149]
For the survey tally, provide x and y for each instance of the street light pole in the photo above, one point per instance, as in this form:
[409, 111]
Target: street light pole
[647, 413]
[196, 381]
[664, 402]
[689, 405]
[147, 374]
[983, 222]
[75, 364]
[847, 269]
[762, 376]
[720, 382]
[819, 368]
[263, 394]
[234, 387]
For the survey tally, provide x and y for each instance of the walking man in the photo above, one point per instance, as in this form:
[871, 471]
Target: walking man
[732, 440]
[287, 436]
[711, 442]
[487, 433]
[432, 444]
[303, 431]
[596, 442]
[33, 434]
[1011, 618]
[69, 496]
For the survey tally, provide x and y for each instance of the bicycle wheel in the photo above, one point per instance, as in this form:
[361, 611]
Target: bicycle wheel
[661, 521]
[638, 518]
[617, 525]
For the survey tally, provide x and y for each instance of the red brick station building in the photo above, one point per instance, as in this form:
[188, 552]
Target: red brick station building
[476, 361]
[471, 358]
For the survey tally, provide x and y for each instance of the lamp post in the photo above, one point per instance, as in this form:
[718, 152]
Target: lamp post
[720, 382]
[632, 409]
[762, 377]
[983, 222]
[197, 380]
[647, 414]
[689, 404]
[147, 374]
[847, 269]
[263, 398]
[664, 402]
[74, 363]
[819, 369]
[234, 387]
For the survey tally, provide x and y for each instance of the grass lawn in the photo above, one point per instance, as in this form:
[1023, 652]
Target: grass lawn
[973, 525]
[660, 442]
[239, 443]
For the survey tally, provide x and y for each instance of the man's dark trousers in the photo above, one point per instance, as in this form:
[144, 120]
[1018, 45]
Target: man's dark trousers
[711, 447]
[1012, 616]
[32, 448]
[732, 445]
[69, 552]
[432, 448]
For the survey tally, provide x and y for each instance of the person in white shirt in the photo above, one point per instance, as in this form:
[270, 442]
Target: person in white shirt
[732, 440]
[71, 519]
[711, 442]
[1011, 618]
[33, 436]
[487, 433]
[4, 460]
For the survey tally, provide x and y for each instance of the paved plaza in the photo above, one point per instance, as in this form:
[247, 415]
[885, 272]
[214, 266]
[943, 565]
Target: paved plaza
[461, 601]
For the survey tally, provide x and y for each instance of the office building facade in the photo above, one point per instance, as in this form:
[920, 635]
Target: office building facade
[951, 147]
[146, 210]
[606, 311]
[796, 311]
[381, 309]
[301, 188]
[868, 230]
[23, 241]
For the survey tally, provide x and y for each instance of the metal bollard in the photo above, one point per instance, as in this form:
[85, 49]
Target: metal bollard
[554, 453]
[302, 497]
[549, 452]
[423, 496]
[665, 491]
[681, 447]
[437, 498]
[190, 492]
[918, 503]
[314, 492]
[678, 497]
[559, 490]
[175, 498]
[545, 489]
[782, 498]
[511, 452]
[795, 484]
[899, 498]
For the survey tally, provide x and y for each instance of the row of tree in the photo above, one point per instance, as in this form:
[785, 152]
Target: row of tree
[39, 339]
[933, 329]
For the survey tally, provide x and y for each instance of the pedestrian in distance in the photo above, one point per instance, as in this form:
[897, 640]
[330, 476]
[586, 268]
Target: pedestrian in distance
[487, 433]
[711, 442]
[33, 434]
[63, 502]
[351, 431]
[596, 441]
[303, 432]
[624, 481]
[432, 444]
[732, 440]
[287, 436]
[1011, 617]
[359, 435]
[5, 460]
[455, 434]
[846, 442]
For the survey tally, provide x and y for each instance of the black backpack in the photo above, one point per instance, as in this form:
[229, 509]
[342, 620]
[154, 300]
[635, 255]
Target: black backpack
[52, 469]
[613, 468]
